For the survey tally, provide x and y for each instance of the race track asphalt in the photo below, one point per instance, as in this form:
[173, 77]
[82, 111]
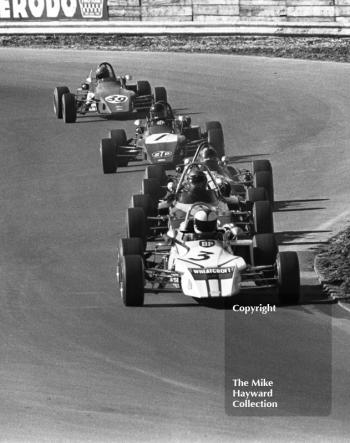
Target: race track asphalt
[75, 365]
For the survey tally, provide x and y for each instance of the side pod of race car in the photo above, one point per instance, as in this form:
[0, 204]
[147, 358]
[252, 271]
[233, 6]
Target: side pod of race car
[105, 94]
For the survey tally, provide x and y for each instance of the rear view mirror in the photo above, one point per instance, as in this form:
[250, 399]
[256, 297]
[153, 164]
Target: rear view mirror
[128, 77]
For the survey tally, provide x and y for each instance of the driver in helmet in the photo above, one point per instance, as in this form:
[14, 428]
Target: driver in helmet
[205, 224]
[160, 114]
[210, 159]
[102, 72]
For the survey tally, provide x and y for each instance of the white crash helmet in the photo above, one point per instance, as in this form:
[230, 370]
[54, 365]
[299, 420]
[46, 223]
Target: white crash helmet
[205, 221]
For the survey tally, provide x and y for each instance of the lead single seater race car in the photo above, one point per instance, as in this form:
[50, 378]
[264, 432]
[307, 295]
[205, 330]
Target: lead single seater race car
[105, 94]
[161, 139]
[206, 264]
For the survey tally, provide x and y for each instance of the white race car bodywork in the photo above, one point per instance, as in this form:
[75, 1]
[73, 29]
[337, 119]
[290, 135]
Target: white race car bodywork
[206, 269]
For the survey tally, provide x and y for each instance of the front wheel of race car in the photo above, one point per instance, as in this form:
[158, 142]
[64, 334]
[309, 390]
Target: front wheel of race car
[160, 94]
[136, 224]
[118, 137]
[108, 156]
[288, 277]
[128, 246]
[69, 108]
[57, 99]
[263, 179]
[132, 280]
[263, 217]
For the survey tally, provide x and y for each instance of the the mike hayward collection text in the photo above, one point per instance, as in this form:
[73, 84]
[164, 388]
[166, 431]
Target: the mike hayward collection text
[254, 393]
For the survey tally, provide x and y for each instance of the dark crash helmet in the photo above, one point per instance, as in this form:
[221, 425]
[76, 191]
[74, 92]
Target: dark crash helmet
[210, 158]
[205, 222]
[197, 179]
[102, 72]
[158, 111]
[225, 188]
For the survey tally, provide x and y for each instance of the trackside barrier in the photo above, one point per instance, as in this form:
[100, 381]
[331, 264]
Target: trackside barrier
[269, 17]
[261, 28]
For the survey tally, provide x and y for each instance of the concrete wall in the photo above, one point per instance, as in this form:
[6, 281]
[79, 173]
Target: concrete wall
[230, 11]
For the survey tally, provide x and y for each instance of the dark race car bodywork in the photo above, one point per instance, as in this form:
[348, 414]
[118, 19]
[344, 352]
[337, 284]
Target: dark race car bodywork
[168, 142]
[110, 96]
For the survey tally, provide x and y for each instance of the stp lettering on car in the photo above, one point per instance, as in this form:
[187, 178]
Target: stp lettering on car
[162, 154]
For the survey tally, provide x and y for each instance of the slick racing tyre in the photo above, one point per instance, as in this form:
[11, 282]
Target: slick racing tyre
[216, 137]
[143, 88]
[264, 249]
[143, 201]
[256, 194]
[131, 285]
[118, 137]
[57, 99]
[108, 156]
[261, 165]
[264, 179]
[160, 94]
[128, 246]
[152, 187]
[213, 125]
[69, 110]
[262, 217]
[136, 224]
[288, 277]
[156, 172]
[264, 253]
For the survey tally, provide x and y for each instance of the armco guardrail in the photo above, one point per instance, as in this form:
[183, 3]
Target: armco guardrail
[297, 17]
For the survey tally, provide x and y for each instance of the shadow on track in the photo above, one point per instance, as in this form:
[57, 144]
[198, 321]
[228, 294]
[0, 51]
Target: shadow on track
[287, 237]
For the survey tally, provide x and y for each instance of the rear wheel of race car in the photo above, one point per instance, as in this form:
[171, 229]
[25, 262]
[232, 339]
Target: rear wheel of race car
[264, 249]
[262, 217]
[57, 99]
[216, 137]
[118, 137]
[256, 194]
[288, 277]
[152, 187]
[69, 109]
[160, 94]
[156, 172]
[143, 87]
[136, 224]
[143, 201]
[261, 165]
[264, 179]
[108, 156]
[132, 280]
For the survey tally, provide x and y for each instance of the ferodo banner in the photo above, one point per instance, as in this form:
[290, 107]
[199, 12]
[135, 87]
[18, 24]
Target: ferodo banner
[52, 9]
